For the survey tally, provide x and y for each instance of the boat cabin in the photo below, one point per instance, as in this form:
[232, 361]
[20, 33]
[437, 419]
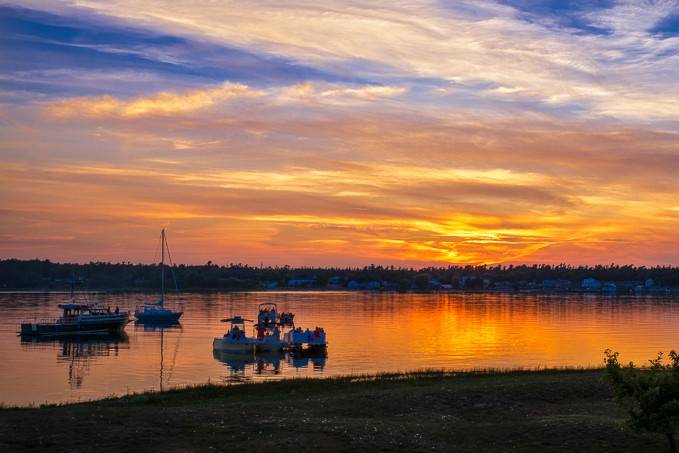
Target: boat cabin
[73, 310]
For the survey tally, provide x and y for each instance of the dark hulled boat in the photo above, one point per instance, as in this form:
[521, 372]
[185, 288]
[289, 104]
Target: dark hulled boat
[79, 319]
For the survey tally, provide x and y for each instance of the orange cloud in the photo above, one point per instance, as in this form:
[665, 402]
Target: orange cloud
[194, 101]
[160, 104]
[306, 182]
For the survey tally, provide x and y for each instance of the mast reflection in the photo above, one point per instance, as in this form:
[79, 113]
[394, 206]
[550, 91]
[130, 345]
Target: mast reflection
[160, 327]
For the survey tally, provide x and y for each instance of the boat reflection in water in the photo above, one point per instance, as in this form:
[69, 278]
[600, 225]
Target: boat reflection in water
[79, 351]
[245, 367]
[161, 327]
[303, 358]
[263, 364]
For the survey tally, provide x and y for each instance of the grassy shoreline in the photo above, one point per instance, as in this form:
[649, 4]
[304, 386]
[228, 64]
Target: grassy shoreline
[485, 410]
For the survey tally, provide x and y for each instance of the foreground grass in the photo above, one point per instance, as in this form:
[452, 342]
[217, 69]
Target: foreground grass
[557, 410]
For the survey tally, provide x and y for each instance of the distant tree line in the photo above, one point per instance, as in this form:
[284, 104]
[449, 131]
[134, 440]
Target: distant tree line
[44, 274]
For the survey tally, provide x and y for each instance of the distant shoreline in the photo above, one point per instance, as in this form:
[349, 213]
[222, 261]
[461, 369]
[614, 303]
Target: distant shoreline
[553, 409]
[39, 275]
[320, 290]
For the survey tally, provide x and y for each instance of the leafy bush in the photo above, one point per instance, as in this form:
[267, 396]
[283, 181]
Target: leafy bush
[650, 395]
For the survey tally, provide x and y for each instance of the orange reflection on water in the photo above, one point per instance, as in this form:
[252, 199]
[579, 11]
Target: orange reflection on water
[367, 332]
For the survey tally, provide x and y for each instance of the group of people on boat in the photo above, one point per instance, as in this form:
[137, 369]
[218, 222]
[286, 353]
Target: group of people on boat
[237, 333]
[287, 318]
[263, 331]
[298, 338]
[316, 333]
[267, 333]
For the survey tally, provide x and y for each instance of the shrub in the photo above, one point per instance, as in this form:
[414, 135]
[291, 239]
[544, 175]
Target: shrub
[650, 395]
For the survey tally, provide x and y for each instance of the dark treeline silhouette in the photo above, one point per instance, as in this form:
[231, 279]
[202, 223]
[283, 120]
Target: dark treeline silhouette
[44, 274]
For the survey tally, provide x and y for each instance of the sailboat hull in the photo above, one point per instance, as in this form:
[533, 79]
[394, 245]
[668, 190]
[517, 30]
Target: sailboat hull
[161, 316]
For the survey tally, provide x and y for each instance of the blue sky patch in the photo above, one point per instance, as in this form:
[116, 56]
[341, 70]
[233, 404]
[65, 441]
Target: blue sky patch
[36, 46]
[570, 14]
[668, 27]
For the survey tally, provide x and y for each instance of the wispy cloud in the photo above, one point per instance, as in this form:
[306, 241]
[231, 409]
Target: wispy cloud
[465, 44]
[409, 132]
[160, 104]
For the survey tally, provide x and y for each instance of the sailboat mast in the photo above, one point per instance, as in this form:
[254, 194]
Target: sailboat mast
[162, 266]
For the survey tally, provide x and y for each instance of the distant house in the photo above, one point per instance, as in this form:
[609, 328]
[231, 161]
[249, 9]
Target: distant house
[556, 285]
[626, 287]
[609, 288]
[649, 287]
[335, 282]
[271, 285]
[302, 283]
[530, 286]
[504, 286]
[371, 285]
[389, 286]
[591, 284]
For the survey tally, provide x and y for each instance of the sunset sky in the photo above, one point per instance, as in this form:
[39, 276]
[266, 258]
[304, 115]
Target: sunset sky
[341, 133]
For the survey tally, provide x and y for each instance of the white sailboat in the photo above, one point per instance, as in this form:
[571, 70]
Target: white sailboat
[156, 312]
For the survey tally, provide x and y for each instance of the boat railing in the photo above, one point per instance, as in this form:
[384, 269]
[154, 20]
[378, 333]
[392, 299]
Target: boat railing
[60, 320]
[72, 319]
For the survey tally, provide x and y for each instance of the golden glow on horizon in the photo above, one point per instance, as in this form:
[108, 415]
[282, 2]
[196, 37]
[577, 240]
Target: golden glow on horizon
[334, 133]
[338, 183]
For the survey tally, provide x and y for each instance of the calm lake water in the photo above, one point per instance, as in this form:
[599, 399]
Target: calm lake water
[367, 333]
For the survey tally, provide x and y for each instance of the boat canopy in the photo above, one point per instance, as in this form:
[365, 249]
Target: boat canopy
[72, 306]
[236, 320]
[157, 303]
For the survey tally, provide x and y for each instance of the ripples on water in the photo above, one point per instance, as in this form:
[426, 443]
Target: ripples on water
[367, 333]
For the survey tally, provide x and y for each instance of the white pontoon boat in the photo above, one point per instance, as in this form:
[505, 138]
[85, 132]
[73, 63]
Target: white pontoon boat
[235, 339]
